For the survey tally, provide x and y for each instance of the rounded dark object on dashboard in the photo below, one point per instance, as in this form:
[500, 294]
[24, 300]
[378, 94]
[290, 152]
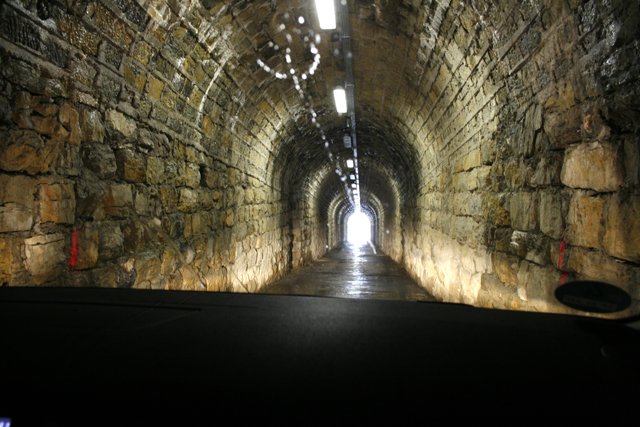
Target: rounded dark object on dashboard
[593, 296]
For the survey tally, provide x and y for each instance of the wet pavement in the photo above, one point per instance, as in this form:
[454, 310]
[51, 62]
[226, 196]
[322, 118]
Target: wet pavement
[351, 272]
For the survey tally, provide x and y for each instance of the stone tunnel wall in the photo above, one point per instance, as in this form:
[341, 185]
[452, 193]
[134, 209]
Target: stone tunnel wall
[121, 162]
[392, 235]
[309, 236]
[533, 142]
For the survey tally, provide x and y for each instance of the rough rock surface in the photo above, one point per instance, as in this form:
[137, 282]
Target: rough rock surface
[593, 166]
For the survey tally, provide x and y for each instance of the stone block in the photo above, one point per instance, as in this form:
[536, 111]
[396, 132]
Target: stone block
[106, 277]
[17, 202]
[465, 228]
[466, 181]
[85, 98]
[585, 220]
[205, 200]
[69, 162]
[524, 141]
[118, 201]
[26, 151]
[174, 225]
[143, 204]
[467, 204]
[188, 200]
[6, 260]
[484, 177]
[523, 210]
[596, 166]
[172, 169]
[88, 244]
[551, 222]
[155, 170]
[212, 178]
[112, 26]
[548, 170]
[249, 196]
[92, 127]
[502, 240]
[632, 159]
[196, 224]
[78, 35]
[469, 161]
[110, 240]
[70, 119]
[42, 125]
[170, 261]
[517, 173]
[229, 218]
[169, 99]
[495, 294]
[518, 243]
[192, 175]
[119, 122]
[191, 281]
[154, 87]
[131, 166]
[134, 76]
[563, 99]
[46, 108]
[169, 198]
[537, 246]
[100, 159]
[25, 100]
[506, 268]
[494, 209]
[45, 256]
[488, 152]
[134, 236]
[148, 267]
[537, 284]
[622, 237]
[90, 199]
[57, 202]
[594, 265]
[564, 128]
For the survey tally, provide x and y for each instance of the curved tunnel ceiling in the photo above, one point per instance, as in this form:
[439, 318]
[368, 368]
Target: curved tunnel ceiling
[294, 120]
[237, 53]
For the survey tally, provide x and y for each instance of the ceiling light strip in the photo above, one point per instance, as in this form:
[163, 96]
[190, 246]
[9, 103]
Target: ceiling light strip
[342, 8]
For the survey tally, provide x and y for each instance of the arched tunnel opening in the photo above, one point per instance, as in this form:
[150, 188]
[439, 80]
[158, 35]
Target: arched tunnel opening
[195, 145]
[359, 228]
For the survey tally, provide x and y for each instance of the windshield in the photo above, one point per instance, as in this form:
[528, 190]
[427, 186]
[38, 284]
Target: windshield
[488, 151]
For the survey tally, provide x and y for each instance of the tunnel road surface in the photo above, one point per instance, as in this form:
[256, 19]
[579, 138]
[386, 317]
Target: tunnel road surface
[351, 272]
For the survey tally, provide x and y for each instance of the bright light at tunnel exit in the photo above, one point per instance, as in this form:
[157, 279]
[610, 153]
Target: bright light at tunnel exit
[358, 229]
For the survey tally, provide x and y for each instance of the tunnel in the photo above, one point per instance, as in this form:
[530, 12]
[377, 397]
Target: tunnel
[196, 144]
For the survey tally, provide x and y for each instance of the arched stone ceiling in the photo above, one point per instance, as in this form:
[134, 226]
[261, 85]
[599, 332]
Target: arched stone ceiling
[232, 51]
[384, 55]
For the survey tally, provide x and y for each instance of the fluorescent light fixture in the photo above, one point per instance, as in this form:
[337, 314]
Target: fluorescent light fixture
[326, 14]
[341, 100]
[347, 141]
[349, 163]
